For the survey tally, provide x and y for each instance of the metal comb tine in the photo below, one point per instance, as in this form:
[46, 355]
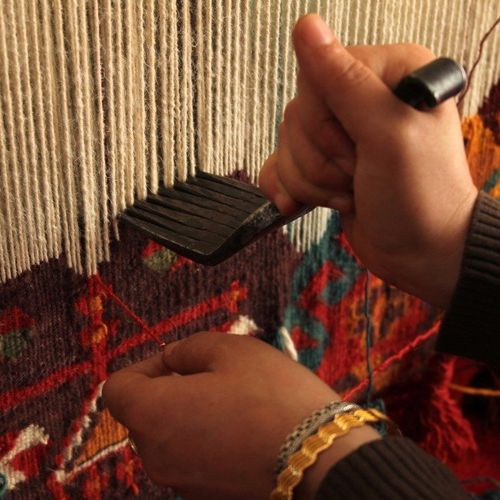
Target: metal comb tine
[221, 199]
[192, 233]
[201, 202]
[191, 209]
[243, 186]
[228, 190]
[170, 239]
[184, 218]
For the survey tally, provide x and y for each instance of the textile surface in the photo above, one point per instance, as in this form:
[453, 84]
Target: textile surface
[61, 334]
[101, 100]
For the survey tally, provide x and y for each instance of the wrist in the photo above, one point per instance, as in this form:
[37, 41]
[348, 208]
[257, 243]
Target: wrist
[439, 274]
[342, 447]
[431, 270]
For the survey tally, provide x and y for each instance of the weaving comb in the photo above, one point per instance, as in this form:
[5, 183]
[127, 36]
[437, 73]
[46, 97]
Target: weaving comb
[208, 218]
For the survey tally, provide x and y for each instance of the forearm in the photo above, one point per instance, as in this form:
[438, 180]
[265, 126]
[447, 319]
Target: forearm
[386, 469]
[470, 326]
[342, 447]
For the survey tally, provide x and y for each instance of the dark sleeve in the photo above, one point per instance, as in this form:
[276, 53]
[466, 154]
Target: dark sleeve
[390, 469]
[471, 326]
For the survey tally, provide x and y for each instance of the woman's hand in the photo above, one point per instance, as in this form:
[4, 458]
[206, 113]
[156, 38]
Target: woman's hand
[399, 177]
[214, 428]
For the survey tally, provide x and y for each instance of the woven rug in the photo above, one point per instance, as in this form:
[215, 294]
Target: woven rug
[75, 303]
[62, 333]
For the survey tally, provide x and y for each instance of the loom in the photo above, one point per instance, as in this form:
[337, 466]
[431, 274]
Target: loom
[101, 101]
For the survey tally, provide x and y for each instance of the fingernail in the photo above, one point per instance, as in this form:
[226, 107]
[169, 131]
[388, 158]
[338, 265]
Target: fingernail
[315, 32]
[285, 204]
[170, 347]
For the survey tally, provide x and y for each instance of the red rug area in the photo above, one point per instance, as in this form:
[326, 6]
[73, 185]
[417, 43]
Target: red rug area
[62, 334]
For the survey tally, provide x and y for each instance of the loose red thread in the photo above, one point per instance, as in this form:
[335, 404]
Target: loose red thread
[145, 327]
[225, 301]
[393, 359]
[107, 290]
[478, 58]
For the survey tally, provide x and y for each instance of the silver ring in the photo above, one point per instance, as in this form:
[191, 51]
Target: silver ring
[132, 445]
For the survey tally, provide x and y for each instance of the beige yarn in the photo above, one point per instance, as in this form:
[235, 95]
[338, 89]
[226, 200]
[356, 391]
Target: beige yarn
[101, 100]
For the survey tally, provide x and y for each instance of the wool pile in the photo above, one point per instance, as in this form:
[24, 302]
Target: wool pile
[103, 100]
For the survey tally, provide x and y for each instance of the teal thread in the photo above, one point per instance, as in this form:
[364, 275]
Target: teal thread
[327, 249]
[490, 495]
[277, 341]
[378, 404]
[3, 485]
[492, 181]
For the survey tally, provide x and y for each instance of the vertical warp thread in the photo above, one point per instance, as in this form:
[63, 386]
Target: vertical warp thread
[264, 79]
[180, 165]
[69, 208]
[111, 114]
[151, 39]
[10, 252]
[227, 113]
[207, 72]
[19, 121]
[32, 182]
[41, 134]
[173, 93]
[236, 104]
[244, 125]
[166, 103]
[218, 23]
[49, 92]
[130, 41]
[101, 99]
[255, 101]
[285, 55]
[102, 186]
[9, 162]
[123, 153]
[141, 145]
[188, 88]
[276, 58]
[79, 62]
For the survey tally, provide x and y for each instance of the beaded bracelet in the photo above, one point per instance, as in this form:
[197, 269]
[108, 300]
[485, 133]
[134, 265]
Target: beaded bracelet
[313, 445]
[307, 428]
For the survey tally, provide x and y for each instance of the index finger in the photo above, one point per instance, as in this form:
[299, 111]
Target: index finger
[121, 388]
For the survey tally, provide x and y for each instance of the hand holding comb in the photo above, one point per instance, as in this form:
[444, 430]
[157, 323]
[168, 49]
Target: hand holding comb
[209, 218]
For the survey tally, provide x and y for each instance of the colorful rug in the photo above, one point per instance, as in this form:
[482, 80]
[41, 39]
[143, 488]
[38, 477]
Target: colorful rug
[61, 334]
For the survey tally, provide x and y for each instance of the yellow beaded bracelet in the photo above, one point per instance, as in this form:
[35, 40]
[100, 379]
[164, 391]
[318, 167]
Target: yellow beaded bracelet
[313, 445]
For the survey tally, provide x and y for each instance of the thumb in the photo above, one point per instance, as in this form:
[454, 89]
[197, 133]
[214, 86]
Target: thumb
[354, 94]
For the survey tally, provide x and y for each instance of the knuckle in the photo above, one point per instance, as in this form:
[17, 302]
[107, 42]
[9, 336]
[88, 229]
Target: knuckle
[354, 73]
[325, 178]
[212, 343]
[316, 174]
[300, 191]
